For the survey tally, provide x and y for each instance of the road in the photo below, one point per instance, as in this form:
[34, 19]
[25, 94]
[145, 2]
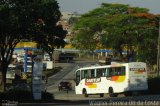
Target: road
[67, 73]
[71, 99]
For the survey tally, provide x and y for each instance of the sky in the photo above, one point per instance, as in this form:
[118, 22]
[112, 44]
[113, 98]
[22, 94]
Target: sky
[83, 6]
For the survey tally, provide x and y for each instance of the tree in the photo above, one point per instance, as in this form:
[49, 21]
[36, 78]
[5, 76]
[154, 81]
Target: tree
[97, 20]
[146, 34]
[27, 19]
[54, 41]
[125, 28]
[136, 31]
[45, 31]
[84, 40]
[10, 33]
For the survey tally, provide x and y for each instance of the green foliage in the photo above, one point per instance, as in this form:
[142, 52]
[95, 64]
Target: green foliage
[32, 20]
[73, 20]
[84, 40]
[53, 41]
[120, 27]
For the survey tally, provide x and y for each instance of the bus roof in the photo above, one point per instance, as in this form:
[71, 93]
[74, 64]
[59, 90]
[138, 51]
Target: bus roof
[115, 64]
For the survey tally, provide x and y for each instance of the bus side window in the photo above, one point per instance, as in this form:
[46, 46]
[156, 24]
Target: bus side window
[92, 73]
[110, 72]
[82, 74]
[104, 72]
[123, 70]
[120, 70]
[107, 72]
[86, 74]
[77, 79]
[99, 72]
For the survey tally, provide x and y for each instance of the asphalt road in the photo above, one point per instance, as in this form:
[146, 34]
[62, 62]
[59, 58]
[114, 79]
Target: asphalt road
[67, 73]
[71, 99]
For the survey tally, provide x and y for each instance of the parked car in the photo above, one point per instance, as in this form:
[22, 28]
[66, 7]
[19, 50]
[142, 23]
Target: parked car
[65, 85]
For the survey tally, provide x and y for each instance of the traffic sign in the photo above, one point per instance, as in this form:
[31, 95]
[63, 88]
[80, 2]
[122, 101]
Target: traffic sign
[24, 75]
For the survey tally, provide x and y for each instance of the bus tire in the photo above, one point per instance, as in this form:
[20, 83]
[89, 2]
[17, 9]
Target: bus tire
[85, 93]
[111, 92]
[101, 95]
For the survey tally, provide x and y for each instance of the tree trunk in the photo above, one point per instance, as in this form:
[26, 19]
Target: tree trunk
[3, 83]
[4, 67]
[53, 59]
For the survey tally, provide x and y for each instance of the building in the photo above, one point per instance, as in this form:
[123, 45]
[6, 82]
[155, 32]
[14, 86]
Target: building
[67, 25]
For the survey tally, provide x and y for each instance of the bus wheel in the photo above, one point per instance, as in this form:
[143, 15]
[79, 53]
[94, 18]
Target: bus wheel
[111, 93]
[101, 95]
[85, 93]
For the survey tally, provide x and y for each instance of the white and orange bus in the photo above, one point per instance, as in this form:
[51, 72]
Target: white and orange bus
[112, 79]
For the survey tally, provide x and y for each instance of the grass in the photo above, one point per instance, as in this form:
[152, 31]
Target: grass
[49, 72]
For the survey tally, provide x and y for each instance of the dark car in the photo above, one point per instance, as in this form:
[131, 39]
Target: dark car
[64, 85]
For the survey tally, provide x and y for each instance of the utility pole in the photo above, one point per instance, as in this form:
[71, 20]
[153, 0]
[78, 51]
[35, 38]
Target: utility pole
[158, 55]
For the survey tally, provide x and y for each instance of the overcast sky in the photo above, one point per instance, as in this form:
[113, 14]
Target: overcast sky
[83, 6]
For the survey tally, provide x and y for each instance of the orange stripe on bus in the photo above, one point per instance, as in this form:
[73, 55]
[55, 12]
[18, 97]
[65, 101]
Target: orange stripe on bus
[88, 83]
[114, 78]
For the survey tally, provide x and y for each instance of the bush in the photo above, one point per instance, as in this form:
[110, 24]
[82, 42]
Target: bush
[153, 85]
[24, 96]
[14, 95]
